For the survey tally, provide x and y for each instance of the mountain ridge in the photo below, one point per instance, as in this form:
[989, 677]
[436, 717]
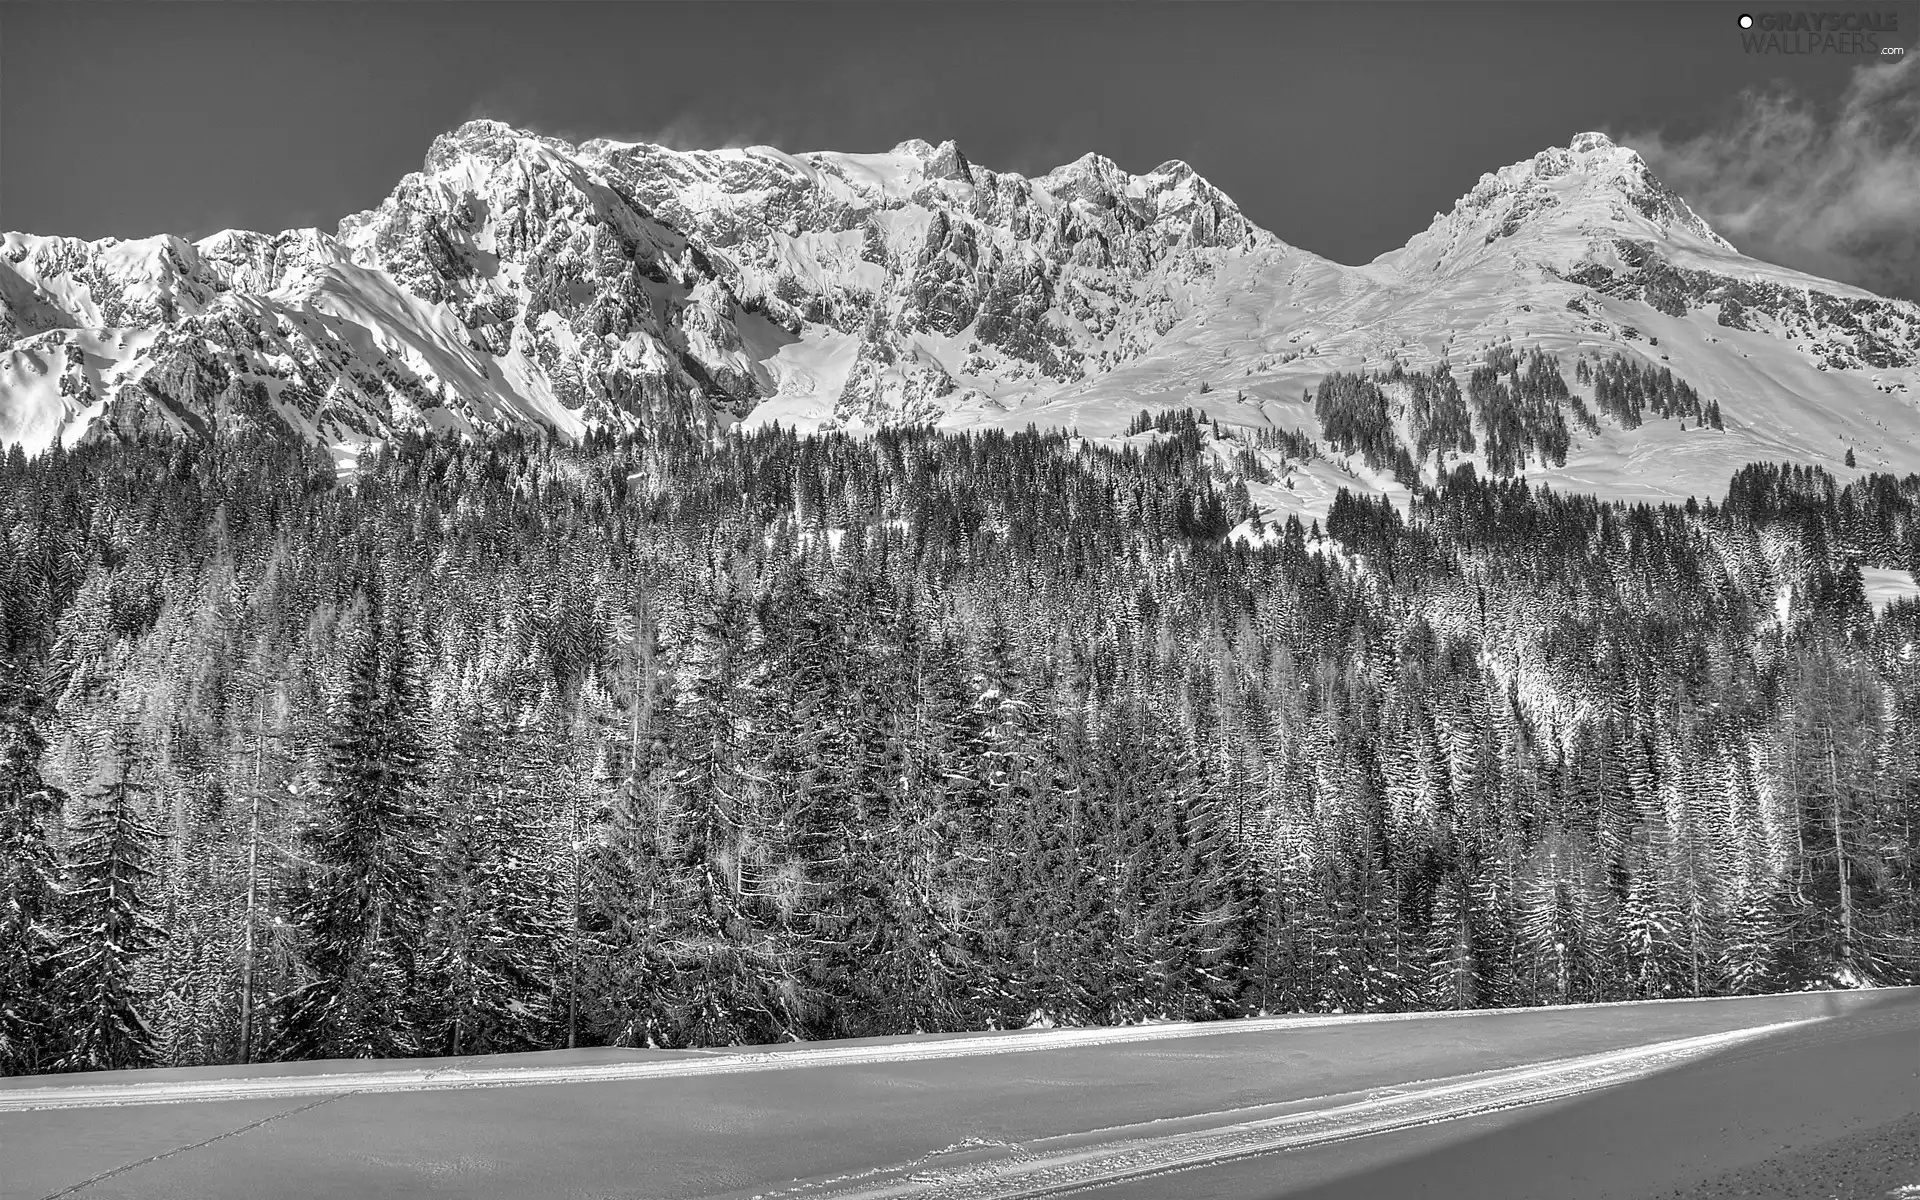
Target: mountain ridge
[518, 280]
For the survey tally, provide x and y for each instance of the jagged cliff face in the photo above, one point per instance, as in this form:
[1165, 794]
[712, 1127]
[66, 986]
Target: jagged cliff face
[517, 279]
[937, 283]
[520, 281]
[241, 328]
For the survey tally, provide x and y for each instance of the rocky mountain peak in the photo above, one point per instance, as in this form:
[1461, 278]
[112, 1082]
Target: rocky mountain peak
[518, 280]
[948, 163]
[937, 162]
[1590, 178]
[1092, 177]
[1559, 208]
[491, 141]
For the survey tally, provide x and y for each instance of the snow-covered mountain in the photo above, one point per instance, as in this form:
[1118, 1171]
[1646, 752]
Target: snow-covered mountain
[519, 280]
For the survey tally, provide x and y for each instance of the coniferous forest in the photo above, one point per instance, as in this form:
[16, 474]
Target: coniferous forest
[698, 738]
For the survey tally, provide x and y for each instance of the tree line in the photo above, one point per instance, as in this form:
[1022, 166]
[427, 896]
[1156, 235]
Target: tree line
[689, 738]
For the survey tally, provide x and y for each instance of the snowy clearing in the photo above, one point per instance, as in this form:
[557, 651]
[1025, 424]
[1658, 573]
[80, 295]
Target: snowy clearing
[1885, 585]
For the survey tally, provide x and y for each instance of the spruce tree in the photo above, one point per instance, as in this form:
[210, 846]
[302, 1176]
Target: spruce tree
[103, 999]
[360, 901]
[1553, 932]
[626, 986]
[1750, 959]
[1654, 935]
[488, 946]
[732, 981]
[30, 928]
[1453, 978]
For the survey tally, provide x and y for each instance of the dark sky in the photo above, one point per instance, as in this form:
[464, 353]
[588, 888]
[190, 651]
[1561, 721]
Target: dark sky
[1342, 128]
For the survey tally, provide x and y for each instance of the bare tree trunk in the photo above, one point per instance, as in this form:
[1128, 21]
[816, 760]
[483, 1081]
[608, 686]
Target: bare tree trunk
[1840, 859]
[253, 888]
[1464, 993]
[573, 947]
[247, 949]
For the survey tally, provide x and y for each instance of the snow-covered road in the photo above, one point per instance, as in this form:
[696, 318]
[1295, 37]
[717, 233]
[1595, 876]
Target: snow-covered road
[133, 1088]
[1077, 1162]
[975, 1116]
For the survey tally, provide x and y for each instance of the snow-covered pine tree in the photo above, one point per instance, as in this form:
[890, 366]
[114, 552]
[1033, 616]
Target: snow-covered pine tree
[859, 757]
[1495, 952]
[1750, 953]
[1553, 926]
[1223, 907]
[731, 986]
[1209, 943]
[1831, 768]
[103, 1001]
[1616, 814]
[1026, 874]
[947, 829]
[360, 900]
[1452, 979]
[625, 989]
[1365, 970]
[30, 933]
[1653, 931]
[1015, 769]
[487, 960]
[910, 921]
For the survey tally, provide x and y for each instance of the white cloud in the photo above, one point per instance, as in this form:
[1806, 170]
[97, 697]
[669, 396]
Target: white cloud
[1833, 192]
[690, 131]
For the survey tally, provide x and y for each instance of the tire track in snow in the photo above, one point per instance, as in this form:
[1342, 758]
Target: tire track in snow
[1063, 1165]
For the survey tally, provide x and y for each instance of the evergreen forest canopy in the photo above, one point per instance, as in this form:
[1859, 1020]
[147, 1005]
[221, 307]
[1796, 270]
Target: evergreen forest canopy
[684, 738]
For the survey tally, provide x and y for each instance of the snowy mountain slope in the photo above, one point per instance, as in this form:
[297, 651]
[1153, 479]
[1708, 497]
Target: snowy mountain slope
[1578, 251]
[519, 280]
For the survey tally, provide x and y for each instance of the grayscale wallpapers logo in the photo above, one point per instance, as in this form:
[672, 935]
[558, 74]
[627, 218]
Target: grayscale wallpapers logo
[1820, 33]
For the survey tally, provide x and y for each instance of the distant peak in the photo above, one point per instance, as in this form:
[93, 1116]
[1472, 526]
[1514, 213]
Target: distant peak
[487, 139]
[1091, 161]
[949, 163]
[472, 137]
[1593, 154]
[1595, 165]
[484, 127]
[942, 162]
